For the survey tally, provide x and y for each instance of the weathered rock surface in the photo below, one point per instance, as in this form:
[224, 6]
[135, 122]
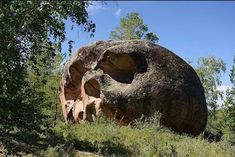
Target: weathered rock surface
[125, 79]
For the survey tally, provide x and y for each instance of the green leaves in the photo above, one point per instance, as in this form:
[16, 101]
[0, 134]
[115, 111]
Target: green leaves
[151, 37]
[209, 70]
[133, 27]
[221, 118]
[31, 33]
[229, 104]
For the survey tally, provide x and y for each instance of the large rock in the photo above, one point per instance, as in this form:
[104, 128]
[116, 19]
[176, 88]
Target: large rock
[125, 79]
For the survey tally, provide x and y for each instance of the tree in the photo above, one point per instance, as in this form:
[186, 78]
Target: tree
[30, 34]
[133, 27]
[44, 77]
[209, 70]
[229, 106]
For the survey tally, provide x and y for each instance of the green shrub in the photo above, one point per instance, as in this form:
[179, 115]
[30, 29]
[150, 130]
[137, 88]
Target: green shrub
[145, 137]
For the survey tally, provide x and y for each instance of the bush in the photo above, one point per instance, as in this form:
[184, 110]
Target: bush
[144, 138]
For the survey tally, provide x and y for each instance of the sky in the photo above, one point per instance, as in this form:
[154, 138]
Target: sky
[189, 29]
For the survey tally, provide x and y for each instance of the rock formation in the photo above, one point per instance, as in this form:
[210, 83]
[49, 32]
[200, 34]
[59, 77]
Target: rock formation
[127, 79]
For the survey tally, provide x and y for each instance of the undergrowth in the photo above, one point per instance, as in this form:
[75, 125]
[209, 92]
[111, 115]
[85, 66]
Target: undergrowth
[145, 138]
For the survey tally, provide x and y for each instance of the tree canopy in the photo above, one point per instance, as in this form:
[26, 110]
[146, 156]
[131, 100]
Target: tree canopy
[209, 70]
[31, 35]
[229, 104]
[132, 27]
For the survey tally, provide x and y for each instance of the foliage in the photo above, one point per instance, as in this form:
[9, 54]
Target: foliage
[209, 70]
[31, 35]
[145, 138]
[105, 138]
[133, 27]
[30, 69]
[229, 111]
[44, 77]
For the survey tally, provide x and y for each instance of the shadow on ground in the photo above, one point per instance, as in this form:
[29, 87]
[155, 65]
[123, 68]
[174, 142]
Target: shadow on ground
[22, 144]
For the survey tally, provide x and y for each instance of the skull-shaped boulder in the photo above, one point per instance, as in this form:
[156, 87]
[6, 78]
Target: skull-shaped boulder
[127, 79]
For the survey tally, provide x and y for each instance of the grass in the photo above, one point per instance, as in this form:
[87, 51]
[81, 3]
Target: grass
[145, 138]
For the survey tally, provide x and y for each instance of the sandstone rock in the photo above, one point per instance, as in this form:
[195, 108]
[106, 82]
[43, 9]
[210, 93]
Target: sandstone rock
[125, 79]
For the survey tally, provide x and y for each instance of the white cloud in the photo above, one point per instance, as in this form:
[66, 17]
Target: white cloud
[223, 88]
[95, 7]
[118, 12]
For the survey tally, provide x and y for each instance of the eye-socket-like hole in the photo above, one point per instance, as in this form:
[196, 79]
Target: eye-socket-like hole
[122, 67]
[92, 88]
[72, 89]
[77, 70]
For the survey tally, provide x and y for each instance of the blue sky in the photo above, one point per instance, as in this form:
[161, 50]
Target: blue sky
[189, 29]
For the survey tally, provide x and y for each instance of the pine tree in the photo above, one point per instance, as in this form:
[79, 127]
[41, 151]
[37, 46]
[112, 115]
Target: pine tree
[133, 27]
